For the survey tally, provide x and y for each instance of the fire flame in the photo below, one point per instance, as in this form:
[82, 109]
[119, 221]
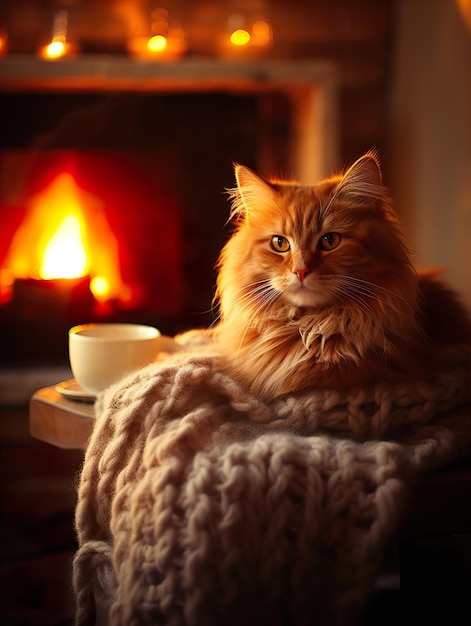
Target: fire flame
[56, 240]
[65, 255]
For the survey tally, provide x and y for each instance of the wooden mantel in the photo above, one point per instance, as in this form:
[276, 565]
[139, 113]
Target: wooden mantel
[105, 72]
[312, 87]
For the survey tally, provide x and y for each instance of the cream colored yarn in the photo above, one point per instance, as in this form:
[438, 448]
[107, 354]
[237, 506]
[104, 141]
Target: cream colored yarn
[199, 505]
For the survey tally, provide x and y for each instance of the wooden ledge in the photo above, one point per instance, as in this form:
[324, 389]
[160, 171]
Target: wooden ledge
[60, 421]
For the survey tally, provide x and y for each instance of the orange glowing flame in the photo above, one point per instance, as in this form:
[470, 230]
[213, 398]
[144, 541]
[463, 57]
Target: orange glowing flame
[65, 235]
[65, 255]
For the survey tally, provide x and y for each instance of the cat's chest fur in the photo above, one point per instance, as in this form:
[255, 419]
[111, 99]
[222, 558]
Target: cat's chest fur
[327, 349]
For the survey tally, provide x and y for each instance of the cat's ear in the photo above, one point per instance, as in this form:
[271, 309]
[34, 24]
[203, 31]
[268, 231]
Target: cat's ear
[363, 179]
[252, 194]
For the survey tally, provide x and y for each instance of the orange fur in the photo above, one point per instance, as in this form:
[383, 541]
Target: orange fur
[336, 302]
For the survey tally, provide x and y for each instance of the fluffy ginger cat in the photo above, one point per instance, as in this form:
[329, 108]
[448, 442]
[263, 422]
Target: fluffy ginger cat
[316, 287]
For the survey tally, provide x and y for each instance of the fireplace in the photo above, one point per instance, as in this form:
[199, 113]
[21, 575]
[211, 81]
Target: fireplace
[130, 182]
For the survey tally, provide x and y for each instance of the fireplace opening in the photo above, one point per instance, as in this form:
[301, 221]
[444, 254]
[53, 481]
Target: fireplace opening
[132, 187]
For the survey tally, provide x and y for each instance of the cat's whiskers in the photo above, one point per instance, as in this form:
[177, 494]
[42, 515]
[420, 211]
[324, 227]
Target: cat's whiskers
[379, 293]
[357, 289]
[214, 322]
[256, 291]
[364, 289]
[397, 304]
[244, 299]
[265, 297]
[352, 295]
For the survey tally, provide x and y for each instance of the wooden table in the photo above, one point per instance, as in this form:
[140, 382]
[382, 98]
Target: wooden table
[60, 421]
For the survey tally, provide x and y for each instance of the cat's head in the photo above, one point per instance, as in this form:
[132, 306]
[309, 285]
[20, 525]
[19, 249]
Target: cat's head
[312, 247]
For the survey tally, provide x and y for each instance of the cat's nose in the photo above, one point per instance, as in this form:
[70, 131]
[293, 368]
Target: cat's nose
[301, 274]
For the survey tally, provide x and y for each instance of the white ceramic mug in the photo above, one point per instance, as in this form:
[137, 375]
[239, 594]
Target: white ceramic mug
[102, 353]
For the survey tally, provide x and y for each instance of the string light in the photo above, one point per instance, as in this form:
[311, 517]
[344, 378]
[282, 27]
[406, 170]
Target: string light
[55, 49]
[157, 43]
[239, 37]
[243, 32]
[58, 46]
[166, 43]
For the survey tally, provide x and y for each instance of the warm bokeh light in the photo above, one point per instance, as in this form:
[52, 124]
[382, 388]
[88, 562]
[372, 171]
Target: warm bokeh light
[59, 45]
[3, 43]
[55, 50]
[465, 8]
[157, 43]
[64, 255]
[159, 21]
[168, 47]
[240, 37]
[261, 33]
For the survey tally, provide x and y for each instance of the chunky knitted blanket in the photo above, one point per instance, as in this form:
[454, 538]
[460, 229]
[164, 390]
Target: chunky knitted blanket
[200, 505]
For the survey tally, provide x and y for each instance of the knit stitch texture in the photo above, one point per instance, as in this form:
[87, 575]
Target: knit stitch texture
[200, 505]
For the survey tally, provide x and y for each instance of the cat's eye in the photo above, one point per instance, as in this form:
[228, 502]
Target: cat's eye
[280, 243]
[329, 241]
